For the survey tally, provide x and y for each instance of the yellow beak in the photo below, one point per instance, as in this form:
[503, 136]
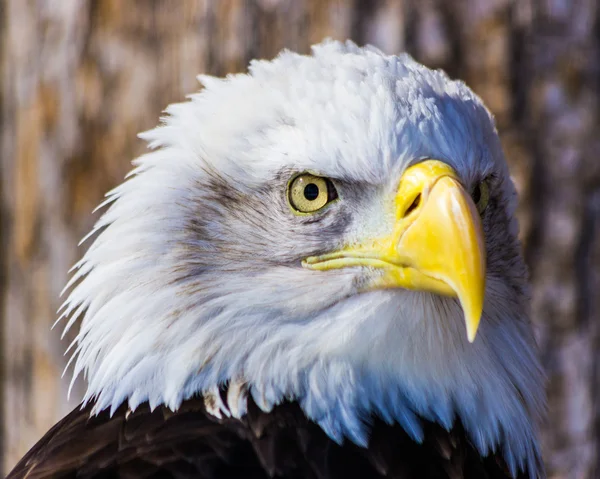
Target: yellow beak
[436, 245]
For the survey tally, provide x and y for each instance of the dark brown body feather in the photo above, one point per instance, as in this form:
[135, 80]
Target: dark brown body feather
[192, 443]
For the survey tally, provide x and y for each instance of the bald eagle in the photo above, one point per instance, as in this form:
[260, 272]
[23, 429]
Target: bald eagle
[314, 273]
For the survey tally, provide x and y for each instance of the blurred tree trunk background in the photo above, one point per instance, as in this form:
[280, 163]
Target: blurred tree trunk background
[79, 79]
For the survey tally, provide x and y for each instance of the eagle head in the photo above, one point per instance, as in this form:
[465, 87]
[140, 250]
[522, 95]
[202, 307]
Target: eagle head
[335, 229]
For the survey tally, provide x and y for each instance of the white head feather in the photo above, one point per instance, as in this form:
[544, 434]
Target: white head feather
[194, 278]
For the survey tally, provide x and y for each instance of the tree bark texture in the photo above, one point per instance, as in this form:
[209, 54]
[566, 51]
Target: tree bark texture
[80, 78]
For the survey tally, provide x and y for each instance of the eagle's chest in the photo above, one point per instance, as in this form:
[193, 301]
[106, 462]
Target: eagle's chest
[282, 443]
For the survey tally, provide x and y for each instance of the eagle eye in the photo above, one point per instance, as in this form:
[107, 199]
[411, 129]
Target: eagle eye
[309, 193]
[481, 196]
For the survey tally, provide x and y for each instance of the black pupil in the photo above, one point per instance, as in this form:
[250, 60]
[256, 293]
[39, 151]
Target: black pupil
[476, 194]
[311, 192]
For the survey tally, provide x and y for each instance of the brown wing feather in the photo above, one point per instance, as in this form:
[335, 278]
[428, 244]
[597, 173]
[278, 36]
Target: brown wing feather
[192, 443]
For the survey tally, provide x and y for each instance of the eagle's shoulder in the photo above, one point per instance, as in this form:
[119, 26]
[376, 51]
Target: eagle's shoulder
[283, 443]
[142, 443]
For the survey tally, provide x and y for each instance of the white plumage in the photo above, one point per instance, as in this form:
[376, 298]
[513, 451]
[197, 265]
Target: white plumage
[184, 289]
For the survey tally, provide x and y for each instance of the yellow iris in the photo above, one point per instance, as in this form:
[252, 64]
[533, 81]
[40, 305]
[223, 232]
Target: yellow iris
[309, 193]
[481, 196]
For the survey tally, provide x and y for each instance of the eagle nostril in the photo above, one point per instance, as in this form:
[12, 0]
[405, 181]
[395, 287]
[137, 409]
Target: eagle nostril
[413, 205]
